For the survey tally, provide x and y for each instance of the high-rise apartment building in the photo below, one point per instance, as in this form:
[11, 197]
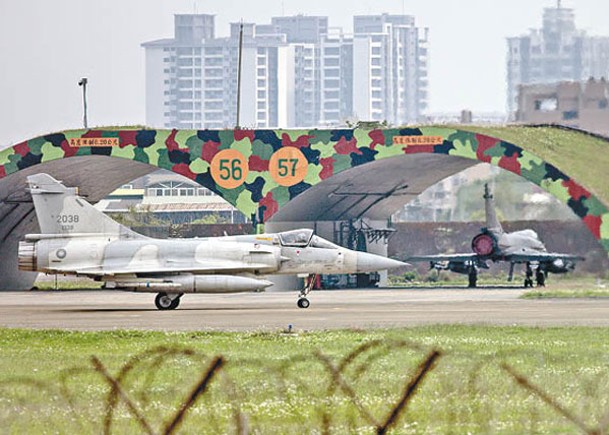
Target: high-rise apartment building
[296, 72]
[389, 68]
[556, 52]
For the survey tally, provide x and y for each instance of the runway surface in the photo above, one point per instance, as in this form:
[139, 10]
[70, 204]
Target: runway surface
[106, 310]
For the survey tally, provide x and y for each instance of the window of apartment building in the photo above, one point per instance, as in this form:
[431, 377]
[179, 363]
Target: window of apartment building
[377, 94]
[570, 114]
[331, 83]
[261, 72]
[185, 61]
[376, 61]
[213, 72]
[331, 72]
[261, 105]
[376, 51]
[332, 61]
[214, 83]
[261, 94]
[213, 105]
[376, 72]
[261, 60]
[546, 104]
[331, 94]
[261, 116]
[331, 51]
[376, 83]
[261, 83]
[212, 95]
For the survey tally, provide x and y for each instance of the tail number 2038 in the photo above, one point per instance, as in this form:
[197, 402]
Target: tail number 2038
[67, 218]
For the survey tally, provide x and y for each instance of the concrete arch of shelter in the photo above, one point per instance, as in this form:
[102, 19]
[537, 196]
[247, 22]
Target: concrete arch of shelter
[287, 175]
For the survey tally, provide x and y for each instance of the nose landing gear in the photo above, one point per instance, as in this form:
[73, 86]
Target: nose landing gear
[303, 302]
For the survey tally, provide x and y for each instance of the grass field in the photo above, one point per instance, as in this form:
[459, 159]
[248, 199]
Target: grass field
[279, 382]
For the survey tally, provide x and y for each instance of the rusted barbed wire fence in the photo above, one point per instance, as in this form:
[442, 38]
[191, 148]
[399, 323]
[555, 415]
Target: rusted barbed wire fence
[130, 387]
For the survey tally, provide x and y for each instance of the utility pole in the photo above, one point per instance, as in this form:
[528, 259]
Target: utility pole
[83, 82]
[238, 126]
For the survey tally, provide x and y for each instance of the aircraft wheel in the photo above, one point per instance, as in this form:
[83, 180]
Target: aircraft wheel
[541, 279]
[164, 302]
[472, 279]
[303, 303]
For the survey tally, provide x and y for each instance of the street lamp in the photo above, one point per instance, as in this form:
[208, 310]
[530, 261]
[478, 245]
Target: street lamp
[83, 82]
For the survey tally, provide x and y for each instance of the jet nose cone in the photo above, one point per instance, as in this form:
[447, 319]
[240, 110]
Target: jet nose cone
[371, 263]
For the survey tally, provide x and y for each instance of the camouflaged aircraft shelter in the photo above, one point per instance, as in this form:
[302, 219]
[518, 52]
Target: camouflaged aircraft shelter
[294, 175]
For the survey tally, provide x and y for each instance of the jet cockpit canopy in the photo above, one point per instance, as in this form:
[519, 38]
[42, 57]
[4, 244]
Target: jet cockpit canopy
[296, 238]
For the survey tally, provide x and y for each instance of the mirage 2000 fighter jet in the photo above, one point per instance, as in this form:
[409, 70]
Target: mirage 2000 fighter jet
[494, 244]
[78, 239]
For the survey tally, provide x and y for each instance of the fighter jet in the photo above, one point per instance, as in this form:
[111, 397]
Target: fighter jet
[494, 244]
[77, 239]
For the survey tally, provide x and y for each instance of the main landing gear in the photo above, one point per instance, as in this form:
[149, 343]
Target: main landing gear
[540, 277]
[164, 301]
[472, 277]
[303, 302]
[528, 276]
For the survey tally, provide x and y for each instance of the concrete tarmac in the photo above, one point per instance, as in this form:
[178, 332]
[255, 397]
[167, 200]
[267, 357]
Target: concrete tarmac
[374, 308]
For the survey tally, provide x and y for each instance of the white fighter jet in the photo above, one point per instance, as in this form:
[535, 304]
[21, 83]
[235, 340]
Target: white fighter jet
[494, 244]
[78, 239]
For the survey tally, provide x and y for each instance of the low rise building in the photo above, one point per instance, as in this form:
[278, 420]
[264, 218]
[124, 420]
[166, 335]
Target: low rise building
[583, 105]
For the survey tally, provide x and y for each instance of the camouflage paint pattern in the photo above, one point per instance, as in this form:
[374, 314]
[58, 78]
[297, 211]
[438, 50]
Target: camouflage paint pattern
[328, 152]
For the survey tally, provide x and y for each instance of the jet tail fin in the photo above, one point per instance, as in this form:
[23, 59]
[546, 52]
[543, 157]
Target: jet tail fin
[61, 211]
[492, 223]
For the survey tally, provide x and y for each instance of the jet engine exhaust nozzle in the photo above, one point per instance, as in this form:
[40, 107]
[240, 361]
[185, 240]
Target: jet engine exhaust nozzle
[27, 257]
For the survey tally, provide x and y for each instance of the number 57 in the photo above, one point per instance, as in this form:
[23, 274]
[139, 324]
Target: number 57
[284, 168]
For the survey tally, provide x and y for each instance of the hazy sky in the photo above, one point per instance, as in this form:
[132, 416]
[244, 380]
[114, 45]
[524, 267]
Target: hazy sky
[47, 45]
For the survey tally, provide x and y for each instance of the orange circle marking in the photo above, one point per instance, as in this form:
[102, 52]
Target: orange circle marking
[288, 166]
[229, 169]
